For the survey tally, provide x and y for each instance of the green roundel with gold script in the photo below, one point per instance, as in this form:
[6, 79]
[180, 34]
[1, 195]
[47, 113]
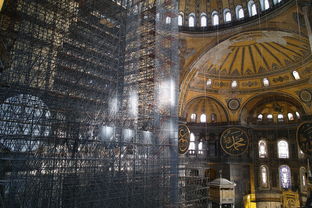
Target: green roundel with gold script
[184, 138]
[234, 141]
[304, 137]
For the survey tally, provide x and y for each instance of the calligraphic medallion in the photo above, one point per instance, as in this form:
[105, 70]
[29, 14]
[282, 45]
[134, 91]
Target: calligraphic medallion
[234, 141]
[184, 138]
[304, 137]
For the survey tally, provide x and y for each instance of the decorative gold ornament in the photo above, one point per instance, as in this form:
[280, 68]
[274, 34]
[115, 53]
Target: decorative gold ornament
[234, 141]
[304, 137]
[184, 138]
[1, 4]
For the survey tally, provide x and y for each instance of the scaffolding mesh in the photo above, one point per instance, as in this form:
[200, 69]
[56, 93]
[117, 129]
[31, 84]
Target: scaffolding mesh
[88, 112]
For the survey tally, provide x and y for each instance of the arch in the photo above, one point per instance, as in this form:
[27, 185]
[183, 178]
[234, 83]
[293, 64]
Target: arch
[193, 117]
[239, 12]
[227, 16]
[276, 1]
[200, 100]
[203, 20]
[168, 20]
[24, 116]
[200, 148]
[284, 177]
[296, 75]
[203, 118]
[213, 117]
[252, 8]
[265, 4]
[263, 148]
[264, 176]
[283, 149]
[250, 106]
[191, 20]
[192, 147]
[280, 117]
[180, 19]
[215, 18]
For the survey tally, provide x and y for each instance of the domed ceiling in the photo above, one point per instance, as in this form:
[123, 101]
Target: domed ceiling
[255, 53]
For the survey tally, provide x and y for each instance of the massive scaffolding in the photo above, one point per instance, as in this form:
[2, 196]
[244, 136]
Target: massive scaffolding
[86, 119]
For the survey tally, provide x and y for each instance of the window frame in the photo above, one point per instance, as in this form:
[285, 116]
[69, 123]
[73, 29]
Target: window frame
[203, 115]
[289, 177]
[265, 5]
[262, 184]
[265, 155]
[180, 17]
[238, 9]
[192, 15]
[225, 12]
[214, 15]
[279, 153]
[203, 16]
[251, 3]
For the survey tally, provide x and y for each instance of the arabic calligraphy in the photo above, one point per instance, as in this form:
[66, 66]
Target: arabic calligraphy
[184, 138]
[234, 141]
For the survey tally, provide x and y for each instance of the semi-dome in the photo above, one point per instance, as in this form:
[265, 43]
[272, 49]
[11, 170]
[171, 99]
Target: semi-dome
[255, 53]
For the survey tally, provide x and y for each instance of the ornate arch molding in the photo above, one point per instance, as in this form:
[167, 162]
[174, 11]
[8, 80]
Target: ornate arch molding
[193, 100]
[264, 97]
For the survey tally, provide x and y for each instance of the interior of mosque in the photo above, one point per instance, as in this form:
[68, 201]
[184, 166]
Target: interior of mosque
[135, 103]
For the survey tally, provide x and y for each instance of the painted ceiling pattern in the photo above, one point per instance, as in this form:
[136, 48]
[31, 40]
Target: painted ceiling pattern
[254, 53]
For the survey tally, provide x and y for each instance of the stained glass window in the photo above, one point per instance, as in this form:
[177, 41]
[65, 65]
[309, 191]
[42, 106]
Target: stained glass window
[285, 176]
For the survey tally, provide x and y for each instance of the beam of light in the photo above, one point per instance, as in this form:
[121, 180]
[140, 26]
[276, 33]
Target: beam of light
[133, 103]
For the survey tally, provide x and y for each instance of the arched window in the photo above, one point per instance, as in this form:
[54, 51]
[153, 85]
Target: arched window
[303, 179]
[25, 118]
[192, 20]
[239, 12]
[180, 20]
[193, 117]
[270, 117]
[213, 117]
[280, 117]
[285, 177]
[215, 18]
[203, 118]
[298, 115]
[260, 117]
[290, 116]
[266, 82]
[157, 17]
[296, 75]
[264, 176]
[263, 149]
[265, 4]
[168, 20]
[200, 148]
[192, 144]
[283, 151]
[203, 20]
[234, 84]
[227, 15]
[276, 1]
[209, 83]
[252, 8]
